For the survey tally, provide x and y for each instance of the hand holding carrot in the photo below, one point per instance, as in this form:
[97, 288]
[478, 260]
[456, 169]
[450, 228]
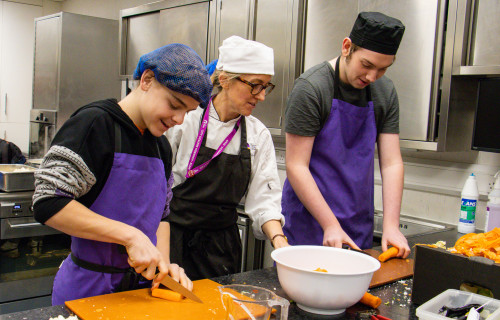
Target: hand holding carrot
[388, 254]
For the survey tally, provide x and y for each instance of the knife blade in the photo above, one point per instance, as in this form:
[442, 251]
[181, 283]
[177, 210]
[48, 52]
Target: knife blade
[177, 287]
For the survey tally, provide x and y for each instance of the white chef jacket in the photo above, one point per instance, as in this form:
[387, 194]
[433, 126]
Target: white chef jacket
[263, 196]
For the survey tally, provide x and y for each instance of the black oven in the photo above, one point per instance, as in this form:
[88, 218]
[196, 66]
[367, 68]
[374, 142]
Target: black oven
[30, 255]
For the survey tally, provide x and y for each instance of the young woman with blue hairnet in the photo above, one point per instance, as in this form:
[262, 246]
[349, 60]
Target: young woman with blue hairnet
[106, 179]
[221, 154]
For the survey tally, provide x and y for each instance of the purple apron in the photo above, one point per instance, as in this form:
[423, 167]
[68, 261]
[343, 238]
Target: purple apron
[342, 165]
[135, 193]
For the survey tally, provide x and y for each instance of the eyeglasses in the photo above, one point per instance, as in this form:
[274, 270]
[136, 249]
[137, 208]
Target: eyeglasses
[257, 88]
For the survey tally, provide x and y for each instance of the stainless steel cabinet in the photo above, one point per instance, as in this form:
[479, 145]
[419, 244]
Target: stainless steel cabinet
[486, 42]
[151, 26]
[142, 35]
[233, 18]
[75, 63]
[470, 54]
[276, 23]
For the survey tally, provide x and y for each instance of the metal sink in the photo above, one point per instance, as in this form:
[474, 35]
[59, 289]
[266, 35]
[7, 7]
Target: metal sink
[409, 226]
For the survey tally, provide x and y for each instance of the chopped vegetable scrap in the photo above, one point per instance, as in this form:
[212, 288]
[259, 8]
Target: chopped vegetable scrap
[439, 244]
[479, 244]
[388, 254]
[320, 270]
[474, 288]
[370, 300]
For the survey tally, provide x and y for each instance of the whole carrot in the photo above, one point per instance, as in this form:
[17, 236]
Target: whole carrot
[371, 300]
[389, 253]
[166, 294]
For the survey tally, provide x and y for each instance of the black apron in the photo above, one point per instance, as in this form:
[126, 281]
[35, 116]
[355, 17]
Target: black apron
[204, 236]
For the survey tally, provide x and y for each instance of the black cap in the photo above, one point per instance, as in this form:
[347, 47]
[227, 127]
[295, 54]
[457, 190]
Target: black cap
[377, 32]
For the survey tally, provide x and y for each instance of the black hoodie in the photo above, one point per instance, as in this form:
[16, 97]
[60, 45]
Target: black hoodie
[89, 132]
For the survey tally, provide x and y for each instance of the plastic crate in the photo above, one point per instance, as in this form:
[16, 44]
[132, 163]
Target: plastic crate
[455, 298]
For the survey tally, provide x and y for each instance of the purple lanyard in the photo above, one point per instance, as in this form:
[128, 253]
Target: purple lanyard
[203, 128]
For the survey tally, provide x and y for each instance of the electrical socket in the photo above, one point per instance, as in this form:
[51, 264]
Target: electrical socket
[280, 156]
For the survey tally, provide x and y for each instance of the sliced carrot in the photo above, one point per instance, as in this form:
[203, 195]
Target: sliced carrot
[166, 294]
[371, 300]
[389, 253]
[320, 270]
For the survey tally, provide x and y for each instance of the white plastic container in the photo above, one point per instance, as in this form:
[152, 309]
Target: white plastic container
[493, 206]
[455, 298]
[470, 195]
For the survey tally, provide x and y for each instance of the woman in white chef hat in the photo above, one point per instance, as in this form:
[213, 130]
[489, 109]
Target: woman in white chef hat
[220, 155]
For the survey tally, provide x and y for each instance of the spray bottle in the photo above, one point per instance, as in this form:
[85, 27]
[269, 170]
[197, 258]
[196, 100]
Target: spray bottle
[470, 195]
[493, 206]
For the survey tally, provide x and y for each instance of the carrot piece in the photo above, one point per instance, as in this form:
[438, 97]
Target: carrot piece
[389, 253]
[371, 300]
[166, 294]
[320, 270]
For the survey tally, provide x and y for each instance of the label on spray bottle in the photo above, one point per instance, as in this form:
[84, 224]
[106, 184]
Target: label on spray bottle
[468, 211]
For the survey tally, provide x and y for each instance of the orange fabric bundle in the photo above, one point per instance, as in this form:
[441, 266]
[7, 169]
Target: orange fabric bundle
[479, 244]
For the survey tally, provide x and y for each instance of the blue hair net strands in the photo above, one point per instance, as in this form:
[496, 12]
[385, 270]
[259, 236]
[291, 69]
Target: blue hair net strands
[211, 66]
[179, 68]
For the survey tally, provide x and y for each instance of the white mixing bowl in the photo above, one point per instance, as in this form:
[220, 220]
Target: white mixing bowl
[347, 278]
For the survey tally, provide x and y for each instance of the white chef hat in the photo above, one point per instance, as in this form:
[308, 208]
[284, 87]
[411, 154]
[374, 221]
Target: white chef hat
[239, 55]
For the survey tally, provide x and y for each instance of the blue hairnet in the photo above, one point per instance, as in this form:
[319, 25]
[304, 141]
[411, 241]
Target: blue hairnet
[211, 66]
[179, 68]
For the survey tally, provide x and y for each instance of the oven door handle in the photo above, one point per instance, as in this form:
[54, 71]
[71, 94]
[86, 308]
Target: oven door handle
[24, 225]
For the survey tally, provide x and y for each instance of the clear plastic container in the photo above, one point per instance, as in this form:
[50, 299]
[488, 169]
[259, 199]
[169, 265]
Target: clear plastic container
[455, 298]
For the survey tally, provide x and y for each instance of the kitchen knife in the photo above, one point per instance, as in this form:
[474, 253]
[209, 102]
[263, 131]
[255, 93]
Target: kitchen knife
[356, 250]
[177, 287]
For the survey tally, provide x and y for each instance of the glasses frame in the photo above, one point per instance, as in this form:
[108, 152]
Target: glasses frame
[254, 85]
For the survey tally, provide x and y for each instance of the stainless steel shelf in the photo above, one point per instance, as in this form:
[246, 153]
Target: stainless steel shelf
[477, 71]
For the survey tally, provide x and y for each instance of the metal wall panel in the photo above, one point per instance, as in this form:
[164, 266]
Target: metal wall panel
[46, 65]
[271, 30]
[187, 25]
[234, 17]
[413, 71]
[486, 40]
[327, 24]
[143, 36]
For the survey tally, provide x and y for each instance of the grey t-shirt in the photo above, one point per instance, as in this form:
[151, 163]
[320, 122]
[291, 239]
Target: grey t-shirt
[309, 103]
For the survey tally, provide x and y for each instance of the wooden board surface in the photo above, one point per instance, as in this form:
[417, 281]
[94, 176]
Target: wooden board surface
[139, 304]
[391, 270]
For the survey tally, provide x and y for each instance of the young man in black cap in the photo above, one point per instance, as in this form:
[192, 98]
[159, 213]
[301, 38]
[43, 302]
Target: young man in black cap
[335, 113]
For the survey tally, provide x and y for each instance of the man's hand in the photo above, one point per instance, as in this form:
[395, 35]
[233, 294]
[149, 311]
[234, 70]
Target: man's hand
[335, 236]
[395, 238]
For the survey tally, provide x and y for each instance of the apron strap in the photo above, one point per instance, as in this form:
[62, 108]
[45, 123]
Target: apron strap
[130, 277]
[118, 138]
[96, 267]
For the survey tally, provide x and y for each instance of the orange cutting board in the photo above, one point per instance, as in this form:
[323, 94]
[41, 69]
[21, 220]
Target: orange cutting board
[391, 270]
[139, 304]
